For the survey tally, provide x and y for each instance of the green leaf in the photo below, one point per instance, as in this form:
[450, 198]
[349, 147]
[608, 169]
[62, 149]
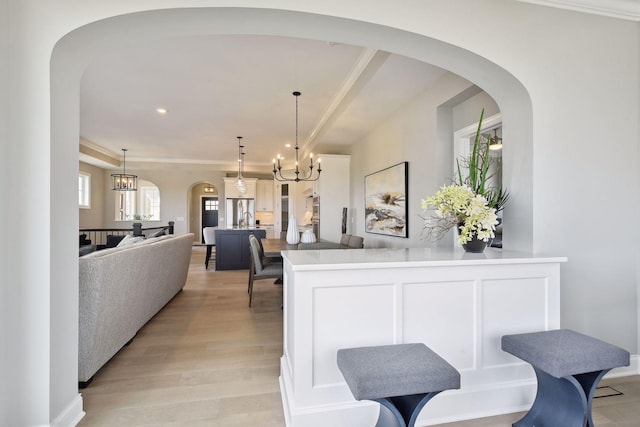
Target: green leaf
[473, 161]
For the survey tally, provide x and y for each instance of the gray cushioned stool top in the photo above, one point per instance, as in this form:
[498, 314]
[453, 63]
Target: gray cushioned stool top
[395, 370]
[563, 352]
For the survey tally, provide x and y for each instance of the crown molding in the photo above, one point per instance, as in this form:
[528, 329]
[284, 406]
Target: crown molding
[622, 9]
[96, 155]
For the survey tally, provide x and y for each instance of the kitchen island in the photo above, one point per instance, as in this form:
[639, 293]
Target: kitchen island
[458, 304]
[232, 247]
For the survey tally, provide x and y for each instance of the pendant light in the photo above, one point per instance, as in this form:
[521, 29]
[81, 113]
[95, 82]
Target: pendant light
[123, 181]
[240, 183]
[299, 176]
[495, 142]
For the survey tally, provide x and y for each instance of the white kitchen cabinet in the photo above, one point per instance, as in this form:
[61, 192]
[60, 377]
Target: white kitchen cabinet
[269, 229]
[264, 195]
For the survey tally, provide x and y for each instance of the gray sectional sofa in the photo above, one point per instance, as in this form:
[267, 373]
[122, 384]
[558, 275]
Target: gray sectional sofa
[121, 289]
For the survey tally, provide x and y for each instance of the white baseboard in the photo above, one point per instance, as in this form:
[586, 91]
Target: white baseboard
[626, 371]
[71, 415]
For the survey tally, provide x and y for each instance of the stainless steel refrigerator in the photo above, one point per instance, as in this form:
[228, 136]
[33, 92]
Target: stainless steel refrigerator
[240, 213]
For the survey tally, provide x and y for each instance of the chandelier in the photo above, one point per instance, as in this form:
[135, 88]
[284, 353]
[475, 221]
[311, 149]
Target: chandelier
[123, 181]
[299, 176]
[240, 183]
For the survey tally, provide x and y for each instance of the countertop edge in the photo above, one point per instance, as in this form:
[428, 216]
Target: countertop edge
[334, 259]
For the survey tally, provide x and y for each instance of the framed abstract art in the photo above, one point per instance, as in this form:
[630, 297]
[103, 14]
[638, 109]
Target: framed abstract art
[386, 207]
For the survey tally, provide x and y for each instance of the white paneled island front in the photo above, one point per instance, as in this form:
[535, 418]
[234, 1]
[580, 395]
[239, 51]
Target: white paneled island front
[458, 304]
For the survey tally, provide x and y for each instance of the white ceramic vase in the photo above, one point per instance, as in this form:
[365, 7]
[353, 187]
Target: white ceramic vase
[308, 236]
[293, 236]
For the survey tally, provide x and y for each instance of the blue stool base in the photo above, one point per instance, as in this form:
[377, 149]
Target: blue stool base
[562, 402]
[402, 411]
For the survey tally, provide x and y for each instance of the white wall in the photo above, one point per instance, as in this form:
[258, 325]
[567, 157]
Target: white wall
[467, 112]
[566, 83]
[175, 188]
[9, 295]
[416, 133]
[94, 217]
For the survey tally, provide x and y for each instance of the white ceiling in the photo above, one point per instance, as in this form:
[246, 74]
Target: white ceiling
[219, 87]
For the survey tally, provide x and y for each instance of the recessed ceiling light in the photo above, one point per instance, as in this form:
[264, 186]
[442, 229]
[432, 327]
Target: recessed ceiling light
[287, 145]
[161, 110]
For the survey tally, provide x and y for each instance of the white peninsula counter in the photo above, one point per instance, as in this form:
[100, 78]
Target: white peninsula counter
[458, 304]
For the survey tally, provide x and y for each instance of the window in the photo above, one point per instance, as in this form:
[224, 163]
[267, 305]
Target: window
[143, 204]
[211, 205]
[125, 205]
[149, 197]
[84, 190]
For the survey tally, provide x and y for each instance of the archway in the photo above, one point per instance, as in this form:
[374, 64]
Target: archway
[203, 203]
[78, 48]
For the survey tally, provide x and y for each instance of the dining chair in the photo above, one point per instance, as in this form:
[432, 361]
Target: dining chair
[261, 267]
[209, 234]
[344, 239]
[356, 242]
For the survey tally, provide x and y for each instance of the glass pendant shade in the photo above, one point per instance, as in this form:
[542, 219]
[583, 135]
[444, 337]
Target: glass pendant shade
[240, 184]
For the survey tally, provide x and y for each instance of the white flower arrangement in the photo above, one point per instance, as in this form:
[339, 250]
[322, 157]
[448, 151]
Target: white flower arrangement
[457, 205]
[470, 204]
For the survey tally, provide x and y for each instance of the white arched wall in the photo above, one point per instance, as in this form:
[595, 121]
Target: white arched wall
[79, 47]
[581, 71]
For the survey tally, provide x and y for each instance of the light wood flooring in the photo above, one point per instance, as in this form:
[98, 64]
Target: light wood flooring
[207, 359]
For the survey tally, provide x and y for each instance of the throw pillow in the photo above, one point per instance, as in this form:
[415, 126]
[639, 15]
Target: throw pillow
[112, 241]
[130, 240]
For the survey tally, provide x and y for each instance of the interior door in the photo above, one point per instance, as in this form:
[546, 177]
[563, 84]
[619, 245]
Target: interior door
[209, 212]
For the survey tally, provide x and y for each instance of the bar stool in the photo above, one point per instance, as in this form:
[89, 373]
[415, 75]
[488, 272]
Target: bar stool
[568, 367]
[209, 234]
[401, 377]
